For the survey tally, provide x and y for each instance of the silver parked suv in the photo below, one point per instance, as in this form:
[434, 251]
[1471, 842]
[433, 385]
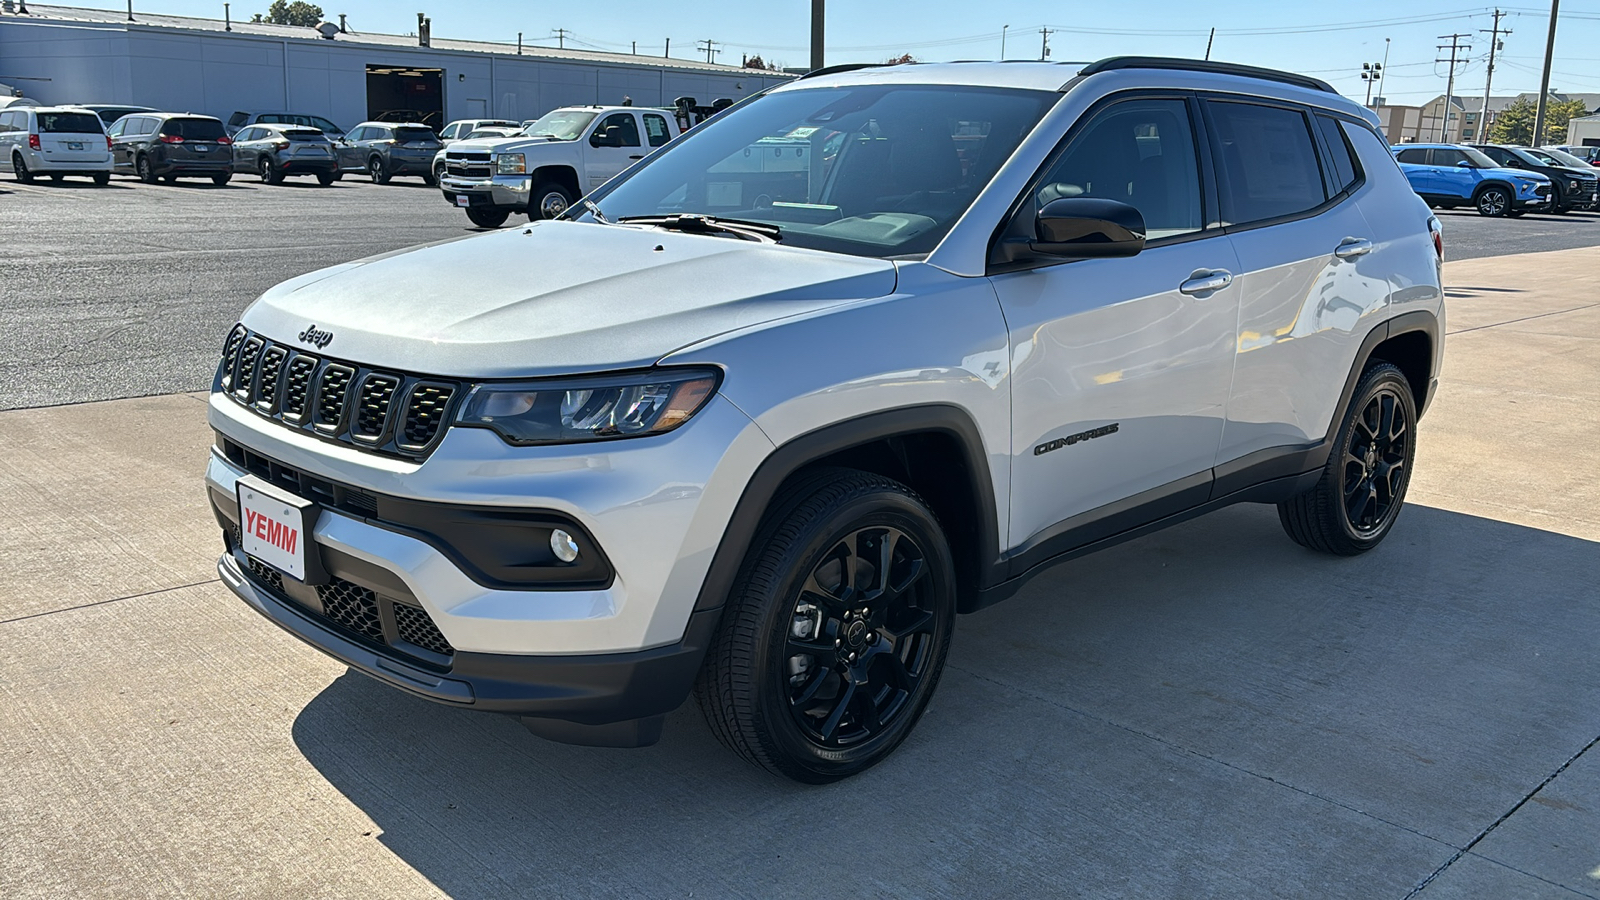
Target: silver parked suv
[761, 417]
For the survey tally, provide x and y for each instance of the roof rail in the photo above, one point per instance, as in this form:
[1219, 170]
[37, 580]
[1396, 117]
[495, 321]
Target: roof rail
[1114, 63]
[834, 70]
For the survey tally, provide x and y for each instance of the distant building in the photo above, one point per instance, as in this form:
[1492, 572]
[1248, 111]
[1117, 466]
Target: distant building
[1584, 132]
[183, 64]
[1463, 126]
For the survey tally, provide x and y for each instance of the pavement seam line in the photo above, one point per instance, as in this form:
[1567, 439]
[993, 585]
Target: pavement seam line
[52, 612]
[1559, 312]
[1207, 757]
[1555, 884]
[1497, 822]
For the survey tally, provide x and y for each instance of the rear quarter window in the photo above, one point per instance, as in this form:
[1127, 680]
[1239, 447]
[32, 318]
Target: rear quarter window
[1414, 156]
[70, 123]
[1345, 171]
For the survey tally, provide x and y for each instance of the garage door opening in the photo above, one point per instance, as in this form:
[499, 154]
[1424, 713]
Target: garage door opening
[404, 94]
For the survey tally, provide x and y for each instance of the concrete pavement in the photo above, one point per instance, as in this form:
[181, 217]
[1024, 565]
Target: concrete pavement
[1206, 712]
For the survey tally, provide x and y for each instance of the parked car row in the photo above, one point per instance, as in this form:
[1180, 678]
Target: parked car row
[1499, 179]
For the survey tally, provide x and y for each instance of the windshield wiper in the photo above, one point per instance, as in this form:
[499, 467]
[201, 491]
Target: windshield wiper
[695, 223]
[595, 211]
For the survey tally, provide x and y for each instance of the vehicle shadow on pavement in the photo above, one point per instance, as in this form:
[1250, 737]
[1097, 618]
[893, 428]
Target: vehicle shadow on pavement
[1209, 710]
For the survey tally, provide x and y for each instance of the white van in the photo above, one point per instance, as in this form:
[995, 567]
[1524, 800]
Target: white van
[54, 141]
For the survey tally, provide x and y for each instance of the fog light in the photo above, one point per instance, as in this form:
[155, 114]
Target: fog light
[563, 546]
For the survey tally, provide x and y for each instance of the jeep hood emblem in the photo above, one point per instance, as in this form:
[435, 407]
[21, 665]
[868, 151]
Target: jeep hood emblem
[315, 338]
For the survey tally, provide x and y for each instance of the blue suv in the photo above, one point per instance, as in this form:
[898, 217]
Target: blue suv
[1449, 175]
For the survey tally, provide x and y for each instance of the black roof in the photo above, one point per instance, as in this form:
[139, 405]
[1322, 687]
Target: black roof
[1205, 65]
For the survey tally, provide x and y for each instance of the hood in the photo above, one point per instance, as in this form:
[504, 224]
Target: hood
[1527, 174]
[556, 298]
[502, 143]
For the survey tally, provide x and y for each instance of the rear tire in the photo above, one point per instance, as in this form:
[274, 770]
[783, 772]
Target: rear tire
[19, 169]
[325, 178]
[269, 171]
[378, 171]
[146, 173]
[58, 178]
[220, 180]
[1363, 486]
[102, 178]
[817, 675]
[487, 218]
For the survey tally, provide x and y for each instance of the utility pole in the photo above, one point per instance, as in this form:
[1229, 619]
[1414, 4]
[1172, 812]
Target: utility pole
[561, 38]
[1488, 82]
[1044, 43]
[1208, 42]
[710, 50]
[1370, 73]
[1455, 46]
[1544, 80]
[816, 35]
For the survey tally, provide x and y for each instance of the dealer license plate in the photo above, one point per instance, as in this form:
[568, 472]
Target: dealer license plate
[463, 200]
[275, 526]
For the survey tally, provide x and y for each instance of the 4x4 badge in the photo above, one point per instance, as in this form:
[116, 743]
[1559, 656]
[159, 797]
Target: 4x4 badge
[315, 338]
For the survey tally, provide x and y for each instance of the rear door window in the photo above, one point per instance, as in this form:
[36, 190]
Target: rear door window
[1448, 156]
[1267, 160]
[70, 123]
[655, 130]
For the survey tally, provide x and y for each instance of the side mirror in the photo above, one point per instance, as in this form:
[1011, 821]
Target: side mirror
[1088, 227]
[606, 138]
[1464, 164]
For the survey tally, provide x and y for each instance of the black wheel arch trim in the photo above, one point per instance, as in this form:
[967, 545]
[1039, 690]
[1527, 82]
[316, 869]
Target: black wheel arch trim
[813, 446]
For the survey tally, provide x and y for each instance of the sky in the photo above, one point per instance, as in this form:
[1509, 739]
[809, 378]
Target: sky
[1330, 41]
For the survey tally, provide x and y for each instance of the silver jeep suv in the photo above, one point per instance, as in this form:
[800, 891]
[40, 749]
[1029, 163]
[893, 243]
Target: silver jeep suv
[871, 350]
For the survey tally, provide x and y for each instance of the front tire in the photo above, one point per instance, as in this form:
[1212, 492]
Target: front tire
[836, 631]
[549, 199]
[1363, 486]
[487, 218]
[1493, 202]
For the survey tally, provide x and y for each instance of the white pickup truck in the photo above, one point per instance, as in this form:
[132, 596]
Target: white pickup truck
[560, 157]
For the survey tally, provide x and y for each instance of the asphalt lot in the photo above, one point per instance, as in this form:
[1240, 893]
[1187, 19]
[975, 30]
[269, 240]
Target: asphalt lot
[168, 269]
[1206, 712]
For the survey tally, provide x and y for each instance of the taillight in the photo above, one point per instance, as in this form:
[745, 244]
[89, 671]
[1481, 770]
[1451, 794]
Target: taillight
[108, 142]
[170, 139]
[224, 140]
[280, 145]
[33, 142]
[1436, 231]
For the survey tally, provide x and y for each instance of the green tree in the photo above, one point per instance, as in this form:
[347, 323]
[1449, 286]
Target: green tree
[1556, 117]
[299, 12]
[1514, 124]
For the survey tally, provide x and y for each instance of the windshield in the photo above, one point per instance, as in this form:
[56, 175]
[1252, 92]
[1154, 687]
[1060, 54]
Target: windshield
[876, 170]
[1561, 157]
[561, 124]
[1479, 158]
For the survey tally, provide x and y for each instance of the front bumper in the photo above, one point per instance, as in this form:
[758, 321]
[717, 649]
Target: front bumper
[509, 191]
[590, 690]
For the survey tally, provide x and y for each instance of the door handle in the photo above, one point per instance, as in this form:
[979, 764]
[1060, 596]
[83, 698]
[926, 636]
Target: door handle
[1206, 281]
[1351, 247]
[636, 157]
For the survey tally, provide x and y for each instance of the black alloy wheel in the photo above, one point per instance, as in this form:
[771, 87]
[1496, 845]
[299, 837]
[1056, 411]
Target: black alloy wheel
[1493, 202]
[862, 637]
[1355, 504]
[19, 169]
[836, 631]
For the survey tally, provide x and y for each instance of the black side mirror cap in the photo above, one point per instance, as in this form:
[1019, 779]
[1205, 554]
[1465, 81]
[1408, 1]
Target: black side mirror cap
[1088, 227]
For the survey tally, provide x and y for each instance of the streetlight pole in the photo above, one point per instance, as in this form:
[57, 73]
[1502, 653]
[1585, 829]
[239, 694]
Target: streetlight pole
[1370, 73]
[1385, 66]
[1003, 40]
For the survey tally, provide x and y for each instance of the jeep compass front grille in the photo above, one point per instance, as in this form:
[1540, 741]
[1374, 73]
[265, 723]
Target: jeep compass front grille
[395, 413]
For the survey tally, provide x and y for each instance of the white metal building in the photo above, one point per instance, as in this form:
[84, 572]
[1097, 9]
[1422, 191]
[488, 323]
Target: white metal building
[63, 54]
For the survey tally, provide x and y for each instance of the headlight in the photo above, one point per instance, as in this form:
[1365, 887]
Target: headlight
[1576, 184]
[589, 409]
[511, 164]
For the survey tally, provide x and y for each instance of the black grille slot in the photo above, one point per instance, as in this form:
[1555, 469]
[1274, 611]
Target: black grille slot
[249, 361]
[425, 410]
[416, 627]
[271, 368]
[267, 575]
[332, 397]
[297, 389]
[372, 408]
[352, 606]
[230, 355]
